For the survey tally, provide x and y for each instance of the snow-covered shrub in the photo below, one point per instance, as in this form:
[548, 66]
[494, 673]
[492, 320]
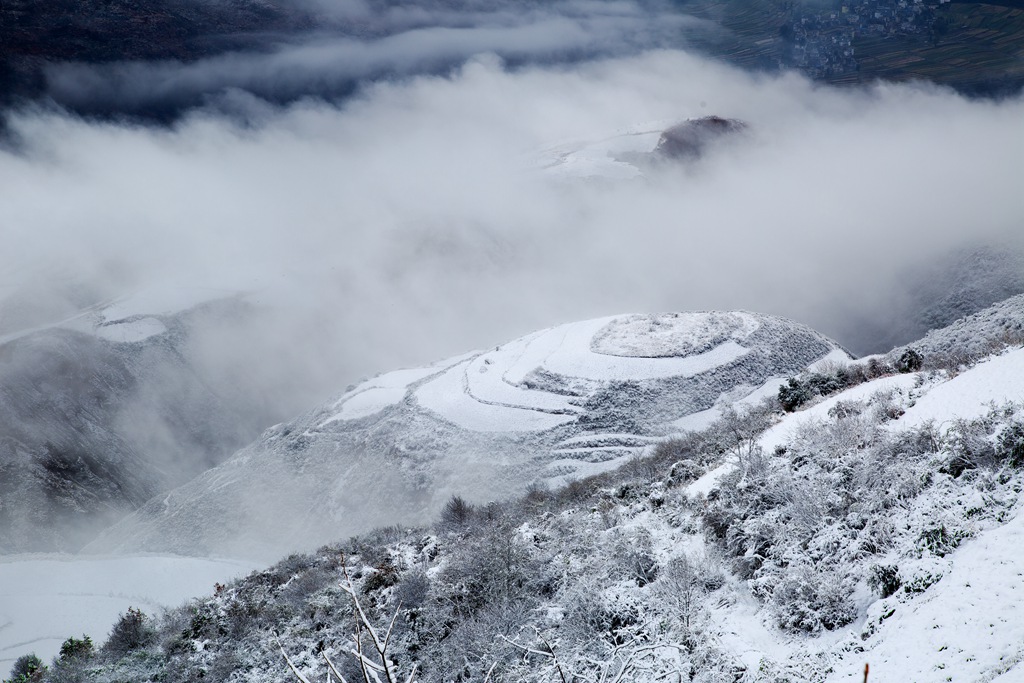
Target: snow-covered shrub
[600, 616]
[794, 394]
[674, 449]
[921, 580]
[384, 575]
[67, 671]
[684, 471]
[939, 540]
[491, 568]
[807, 600]
[884, 579]
[632, 556]
[76, 648]
[1010, 444]
[828, 380]
[576, 491]
[70, 666]
[132, 630]
[684, 584]
[412, 589]
[968, 446]
[456, 513]
[910, 360]
[27, 669]
[241, 615]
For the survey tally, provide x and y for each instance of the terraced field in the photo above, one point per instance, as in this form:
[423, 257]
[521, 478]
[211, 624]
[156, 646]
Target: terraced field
[976, 47]
[982, 47]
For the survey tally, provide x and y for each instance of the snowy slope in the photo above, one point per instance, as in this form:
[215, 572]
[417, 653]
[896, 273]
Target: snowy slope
[967, 627]
[963, 626]
[563, 402]
[760, 571]
[132, 318]
[976, 335]
[995, 381]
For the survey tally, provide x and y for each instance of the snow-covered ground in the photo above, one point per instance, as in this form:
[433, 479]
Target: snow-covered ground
[998, 380]
[608, 157]
[967, 627]
[130, 331]
[448, 397]
[44, 599]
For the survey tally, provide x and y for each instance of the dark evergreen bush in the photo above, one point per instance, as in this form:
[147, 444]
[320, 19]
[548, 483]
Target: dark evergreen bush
[457, 512]
[939, 540]
[385, 574]
[76, 648]
[27, 669]
[910, 361]
[793, 394]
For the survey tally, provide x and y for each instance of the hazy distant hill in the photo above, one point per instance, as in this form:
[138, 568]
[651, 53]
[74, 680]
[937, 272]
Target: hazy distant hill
[101, 413]
[560, 403]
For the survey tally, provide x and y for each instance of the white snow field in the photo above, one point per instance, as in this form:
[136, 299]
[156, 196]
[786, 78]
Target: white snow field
[998, 380]
[492, 392]
[44, 599]
[128, 332]
[607, 157]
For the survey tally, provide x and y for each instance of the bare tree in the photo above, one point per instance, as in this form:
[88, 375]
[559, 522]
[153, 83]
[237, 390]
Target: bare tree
[373, 661]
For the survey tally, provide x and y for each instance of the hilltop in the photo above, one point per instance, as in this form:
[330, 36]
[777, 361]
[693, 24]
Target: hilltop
[562, 403]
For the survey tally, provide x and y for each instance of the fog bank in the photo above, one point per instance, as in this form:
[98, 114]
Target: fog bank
[415, 221]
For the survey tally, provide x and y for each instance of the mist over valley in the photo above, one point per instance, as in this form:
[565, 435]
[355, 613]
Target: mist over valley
[276, 273]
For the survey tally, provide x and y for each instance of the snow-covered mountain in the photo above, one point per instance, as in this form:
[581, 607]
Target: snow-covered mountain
[877, 523]
[562, 403]
[631, 153]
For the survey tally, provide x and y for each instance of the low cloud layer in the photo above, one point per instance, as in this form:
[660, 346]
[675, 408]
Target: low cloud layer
[415, 221]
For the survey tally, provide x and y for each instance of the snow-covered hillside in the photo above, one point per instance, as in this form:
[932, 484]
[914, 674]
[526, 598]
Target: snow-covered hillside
[878, 525]
[106, 407]
[566, 402]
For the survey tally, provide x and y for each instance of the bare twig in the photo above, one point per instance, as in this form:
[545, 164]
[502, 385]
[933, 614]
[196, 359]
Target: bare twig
[373, 666]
